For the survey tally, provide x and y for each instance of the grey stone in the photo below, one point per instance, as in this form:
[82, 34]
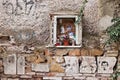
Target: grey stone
[80, 78]
[10, 64]
[72, 65]
[88, 65]
[40, 67]
[25, 76]
[106, 64]
[92, 78]
[52, 78]
[21, 65]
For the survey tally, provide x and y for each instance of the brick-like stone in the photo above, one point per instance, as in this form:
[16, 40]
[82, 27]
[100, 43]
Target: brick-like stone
[92, 78]
[28, 69]
[1, 69]
[84, 52]
[105, 22]
[3, 78]
[118, 64]
[12, 79]
[30, 73]
[111, 53]
[55, 67]
[37, 78]
[88, 65]
[31, 58]
[72, 65]
[60, 52]
[96, 52]
[42, 67]
[40, 59]
[74, 52]
[36, 58]
[59, 59]
[80, 78]
[106, 64]
[68, 78]
[26, 76]
[60, 74]
[52, 78]
[21, 65]
[10, 64]
[1, 63]
[48, 53]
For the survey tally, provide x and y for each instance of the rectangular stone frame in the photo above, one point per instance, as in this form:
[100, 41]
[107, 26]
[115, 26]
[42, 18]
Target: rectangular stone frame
[53, 30]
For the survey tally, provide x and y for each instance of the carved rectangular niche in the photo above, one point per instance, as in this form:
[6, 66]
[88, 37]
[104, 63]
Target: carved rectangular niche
[65, 32]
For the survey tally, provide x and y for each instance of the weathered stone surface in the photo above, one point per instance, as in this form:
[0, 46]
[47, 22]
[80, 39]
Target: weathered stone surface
[40, 74]
[42, 67]
[10, 64]
[74, 52]
[84, 52]
[111, 53]
[72, 65]
[28, 69]
[52, 78]
[106, 64]
[31, 58]
[2, 52]
[92, 78]
[68, 78]
[96, 52]
[118, 64]
[118, 78]
[26, 76]
[3, 78]
[88, 65]
[50, 74]
[55, 67]
[1, 69]
[12, 79]
[105, 22]
[21, 65]
[80, 78]
[60, 52]
[59, 59]
[1, 63]
[38, 58]
[60, 74]
[30, 73]
[48, 53]
[37, 78]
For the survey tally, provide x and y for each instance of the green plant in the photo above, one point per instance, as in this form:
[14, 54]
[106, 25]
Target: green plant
[114, 31]
[114, 37]
[81, 11]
